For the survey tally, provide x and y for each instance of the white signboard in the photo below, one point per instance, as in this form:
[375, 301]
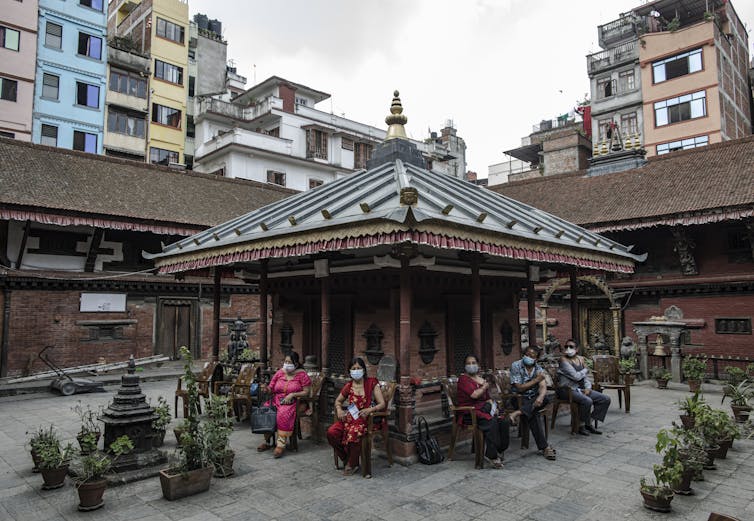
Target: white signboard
[102, 302]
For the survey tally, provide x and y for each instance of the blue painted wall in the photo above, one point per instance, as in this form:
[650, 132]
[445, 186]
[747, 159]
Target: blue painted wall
[64, 112]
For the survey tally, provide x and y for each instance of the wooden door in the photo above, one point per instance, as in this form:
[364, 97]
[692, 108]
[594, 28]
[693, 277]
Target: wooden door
[174, 328]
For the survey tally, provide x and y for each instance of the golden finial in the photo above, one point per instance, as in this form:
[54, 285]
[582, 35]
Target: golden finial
[396, 119]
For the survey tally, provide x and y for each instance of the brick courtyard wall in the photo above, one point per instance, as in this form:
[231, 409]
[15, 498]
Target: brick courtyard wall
[232, 307]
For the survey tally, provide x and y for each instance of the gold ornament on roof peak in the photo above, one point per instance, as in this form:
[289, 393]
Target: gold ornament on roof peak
[396, 119]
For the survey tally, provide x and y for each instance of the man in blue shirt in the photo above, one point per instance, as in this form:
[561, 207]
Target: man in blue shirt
[528, 380]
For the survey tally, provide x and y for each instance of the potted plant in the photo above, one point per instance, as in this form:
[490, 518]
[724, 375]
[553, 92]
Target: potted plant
[53, 463]
[662, 377]
[689, 408]
[38, 440]
[657, 495]
[750, 370]
[626, 367]
[694, 369]
[90, 473]
[217, 430]
[161, 421]
[736, 375]
[739, 400]
[709, 423]
[89, 433]
[687, 447]
[193, 472]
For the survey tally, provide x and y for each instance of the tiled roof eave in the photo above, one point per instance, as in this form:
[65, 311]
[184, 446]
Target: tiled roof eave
[679, 219]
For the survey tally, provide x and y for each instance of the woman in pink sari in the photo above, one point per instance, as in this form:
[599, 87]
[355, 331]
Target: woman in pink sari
[287, 385]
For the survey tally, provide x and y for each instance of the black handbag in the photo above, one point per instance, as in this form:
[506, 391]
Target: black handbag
[426, 446]
[264, 418]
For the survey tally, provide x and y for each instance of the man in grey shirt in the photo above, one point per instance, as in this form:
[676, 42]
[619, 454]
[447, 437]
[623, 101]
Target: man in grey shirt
[574, 376]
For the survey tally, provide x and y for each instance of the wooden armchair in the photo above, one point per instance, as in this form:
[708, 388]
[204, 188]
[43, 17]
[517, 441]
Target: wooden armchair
[450, 388]
[202, 381]
[377, 422]
[239, 396]
[607, 376]
[309, 402]
[557, 401]
[511, 401]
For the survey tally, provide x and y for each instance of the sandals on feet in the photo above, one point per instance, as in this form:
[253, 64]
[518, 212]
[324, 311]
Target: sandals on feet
[496, 463]
[549, 453]
[263, 447]
[350, 471]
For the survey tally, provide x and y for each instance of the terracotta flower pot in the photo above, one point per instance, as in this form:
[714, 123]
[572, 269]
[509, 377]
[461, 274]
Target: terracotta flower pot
[53, 478]
[662, 383]
[182, 484]
[657, 499]
[683, 486]
[158, 438]
[36, 459]
[711, 451]
[90, 494]
[722, 451]
[224, 467]
[178, 431]
[741, 412]
[694, 385]
[687, 421]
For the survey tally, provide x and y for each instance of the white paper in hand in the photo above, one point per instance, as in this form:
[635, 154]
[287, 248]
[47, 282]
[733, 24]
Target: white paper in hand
[353, 410]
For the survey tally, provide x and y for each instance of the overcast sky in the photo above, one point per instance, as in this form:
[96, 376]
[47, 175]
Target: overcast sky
[495, 67]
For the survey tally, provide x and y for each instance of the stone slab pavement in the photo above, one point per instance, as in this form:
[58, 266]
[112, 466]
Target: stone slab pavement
[595, 478]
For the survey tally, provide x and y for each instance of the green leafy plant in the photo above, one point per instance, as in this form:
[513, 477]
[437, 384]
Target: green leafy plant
[87, 416]
[664, 477]
[739, 394]
[685, 446]
[42, 437]
[660, 373]
[94, 466]
[674, 24]
[694, 368]
[193, 453]
[709, 16]
[715, 425]
[54, 456]
[627, 365]
[736, 375]
[217, 430]
[693, 404]
[750, 370]
[162, 412]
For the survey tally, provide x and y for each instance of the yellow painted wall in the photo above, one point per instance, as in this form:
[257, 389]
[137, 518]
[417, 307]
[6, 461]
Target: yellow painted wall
[165, 93]
[657, 46]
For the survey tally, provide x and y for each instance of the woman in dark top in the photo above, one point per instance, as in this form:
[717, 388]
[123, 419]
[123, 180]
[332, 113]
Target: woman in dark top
[473, 391]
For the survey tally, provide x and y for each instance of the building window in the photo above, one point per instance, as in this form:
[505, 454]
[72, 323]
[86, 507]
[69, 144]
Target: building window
[90, 46]
[192, 86]
[85, 141]
[7, 134]
[9, 38]
[53, 35]
[733, 326]
[627, 81]
[161, 156]
[274, 132]
[277, 178]
[302, 101]
[50, 86]
[8, 89]
[169, 30]
[603, 127]
[316, 144]
[128, 83]
[629, 123]
[678, 65]
[682, 108]
[362, 153]
[123, 122]
[314, 183]
[190, 126]
[87, 95]
[682, 144]
[49, 135]
[605, 88]
[166, 115]
[94, 4]
[168, 72]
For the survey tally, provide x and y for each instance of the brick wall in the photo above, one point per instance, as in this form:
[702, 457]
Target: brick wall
[288, 95]
[243, 306]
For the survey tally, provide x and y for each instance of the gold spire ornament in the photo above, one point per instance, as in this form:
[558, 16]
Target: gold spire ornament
[396, 119]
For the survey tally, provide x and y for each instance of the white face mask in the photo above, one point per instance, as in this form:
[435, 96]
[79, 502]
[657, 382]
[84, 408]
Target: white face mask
[289, 368]
[472, 369]
[357, 374]
[570, 352]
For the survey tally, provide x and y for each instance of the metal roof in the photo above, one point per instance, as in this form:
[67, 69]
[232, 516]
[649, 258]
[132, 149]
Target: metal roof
[375, 197]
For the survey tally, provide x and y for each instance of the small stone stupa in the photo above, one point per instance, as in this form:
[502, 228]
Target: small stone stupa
[130, 414]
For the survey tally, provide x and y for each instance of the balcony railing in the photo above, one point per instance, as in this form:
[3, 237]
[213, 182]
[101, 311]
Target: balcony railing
[617, 30]
[549, 124]
[316, 153]
[611, 57]
[235, 111]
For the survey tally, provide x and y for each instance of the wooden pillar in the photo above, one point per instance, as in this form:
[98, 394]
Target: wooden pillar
[476, 311]
[263, 313]
[405, 319]
[543, 310]
[324, 296]
[216, 316]
[616, 327]
[531, 310]
[575, 308]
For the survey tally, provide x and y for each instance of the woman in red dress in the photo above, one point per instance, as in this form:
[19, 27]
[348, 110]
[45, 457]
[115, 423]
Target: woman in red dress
[287, 385]
[345, 435]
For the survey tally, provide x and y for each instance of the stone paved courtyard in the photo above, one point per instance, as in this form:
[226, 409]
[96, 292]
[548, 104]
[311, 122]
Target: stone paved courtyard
[594, 478]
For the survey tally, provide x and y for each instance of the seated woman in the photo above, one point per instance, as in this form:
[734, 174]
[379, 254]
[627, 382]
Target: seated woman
[345, 435]
[573, 375]
[287, 385]
[473, 391]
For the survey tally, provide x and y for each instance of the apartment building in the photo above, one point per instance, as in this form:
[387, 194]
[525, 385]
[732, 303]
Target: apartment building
[159, 29]
[273, 133]
[18, 55]
[671, 76]
[69, 93]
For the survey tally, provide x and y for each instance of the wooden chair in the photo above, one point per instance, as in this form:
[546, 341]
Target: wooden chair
[714, 516]
[202, 381]
[309, 402]
[239, 396]
[450, 388]
[511, 401]
[557, 402]
[607, 376]
[377, 422]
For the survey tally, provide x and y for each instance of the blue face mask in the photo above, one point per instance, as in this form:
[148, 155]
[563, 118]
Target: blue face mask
[527, 360]
[357, 374]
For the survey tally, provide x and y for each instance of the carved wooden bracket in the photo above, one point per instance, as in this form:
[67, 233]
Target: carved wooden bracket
[684, 247]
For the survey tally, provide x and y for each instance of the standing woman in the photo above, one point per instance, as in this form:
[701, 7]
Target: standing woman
[473, 391]
[287, 385]
[345, 435]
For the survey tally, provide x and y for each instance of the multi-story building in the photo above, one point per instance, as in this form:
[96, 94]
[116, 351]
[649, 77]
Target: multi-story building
[18, 54]
[670, 79]
[159, 29]
[272, 133]
[127, 110]
[69, 92]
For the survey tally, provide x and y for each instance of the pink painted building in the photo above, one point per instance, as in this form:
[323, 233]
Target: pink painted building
[18, 57]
